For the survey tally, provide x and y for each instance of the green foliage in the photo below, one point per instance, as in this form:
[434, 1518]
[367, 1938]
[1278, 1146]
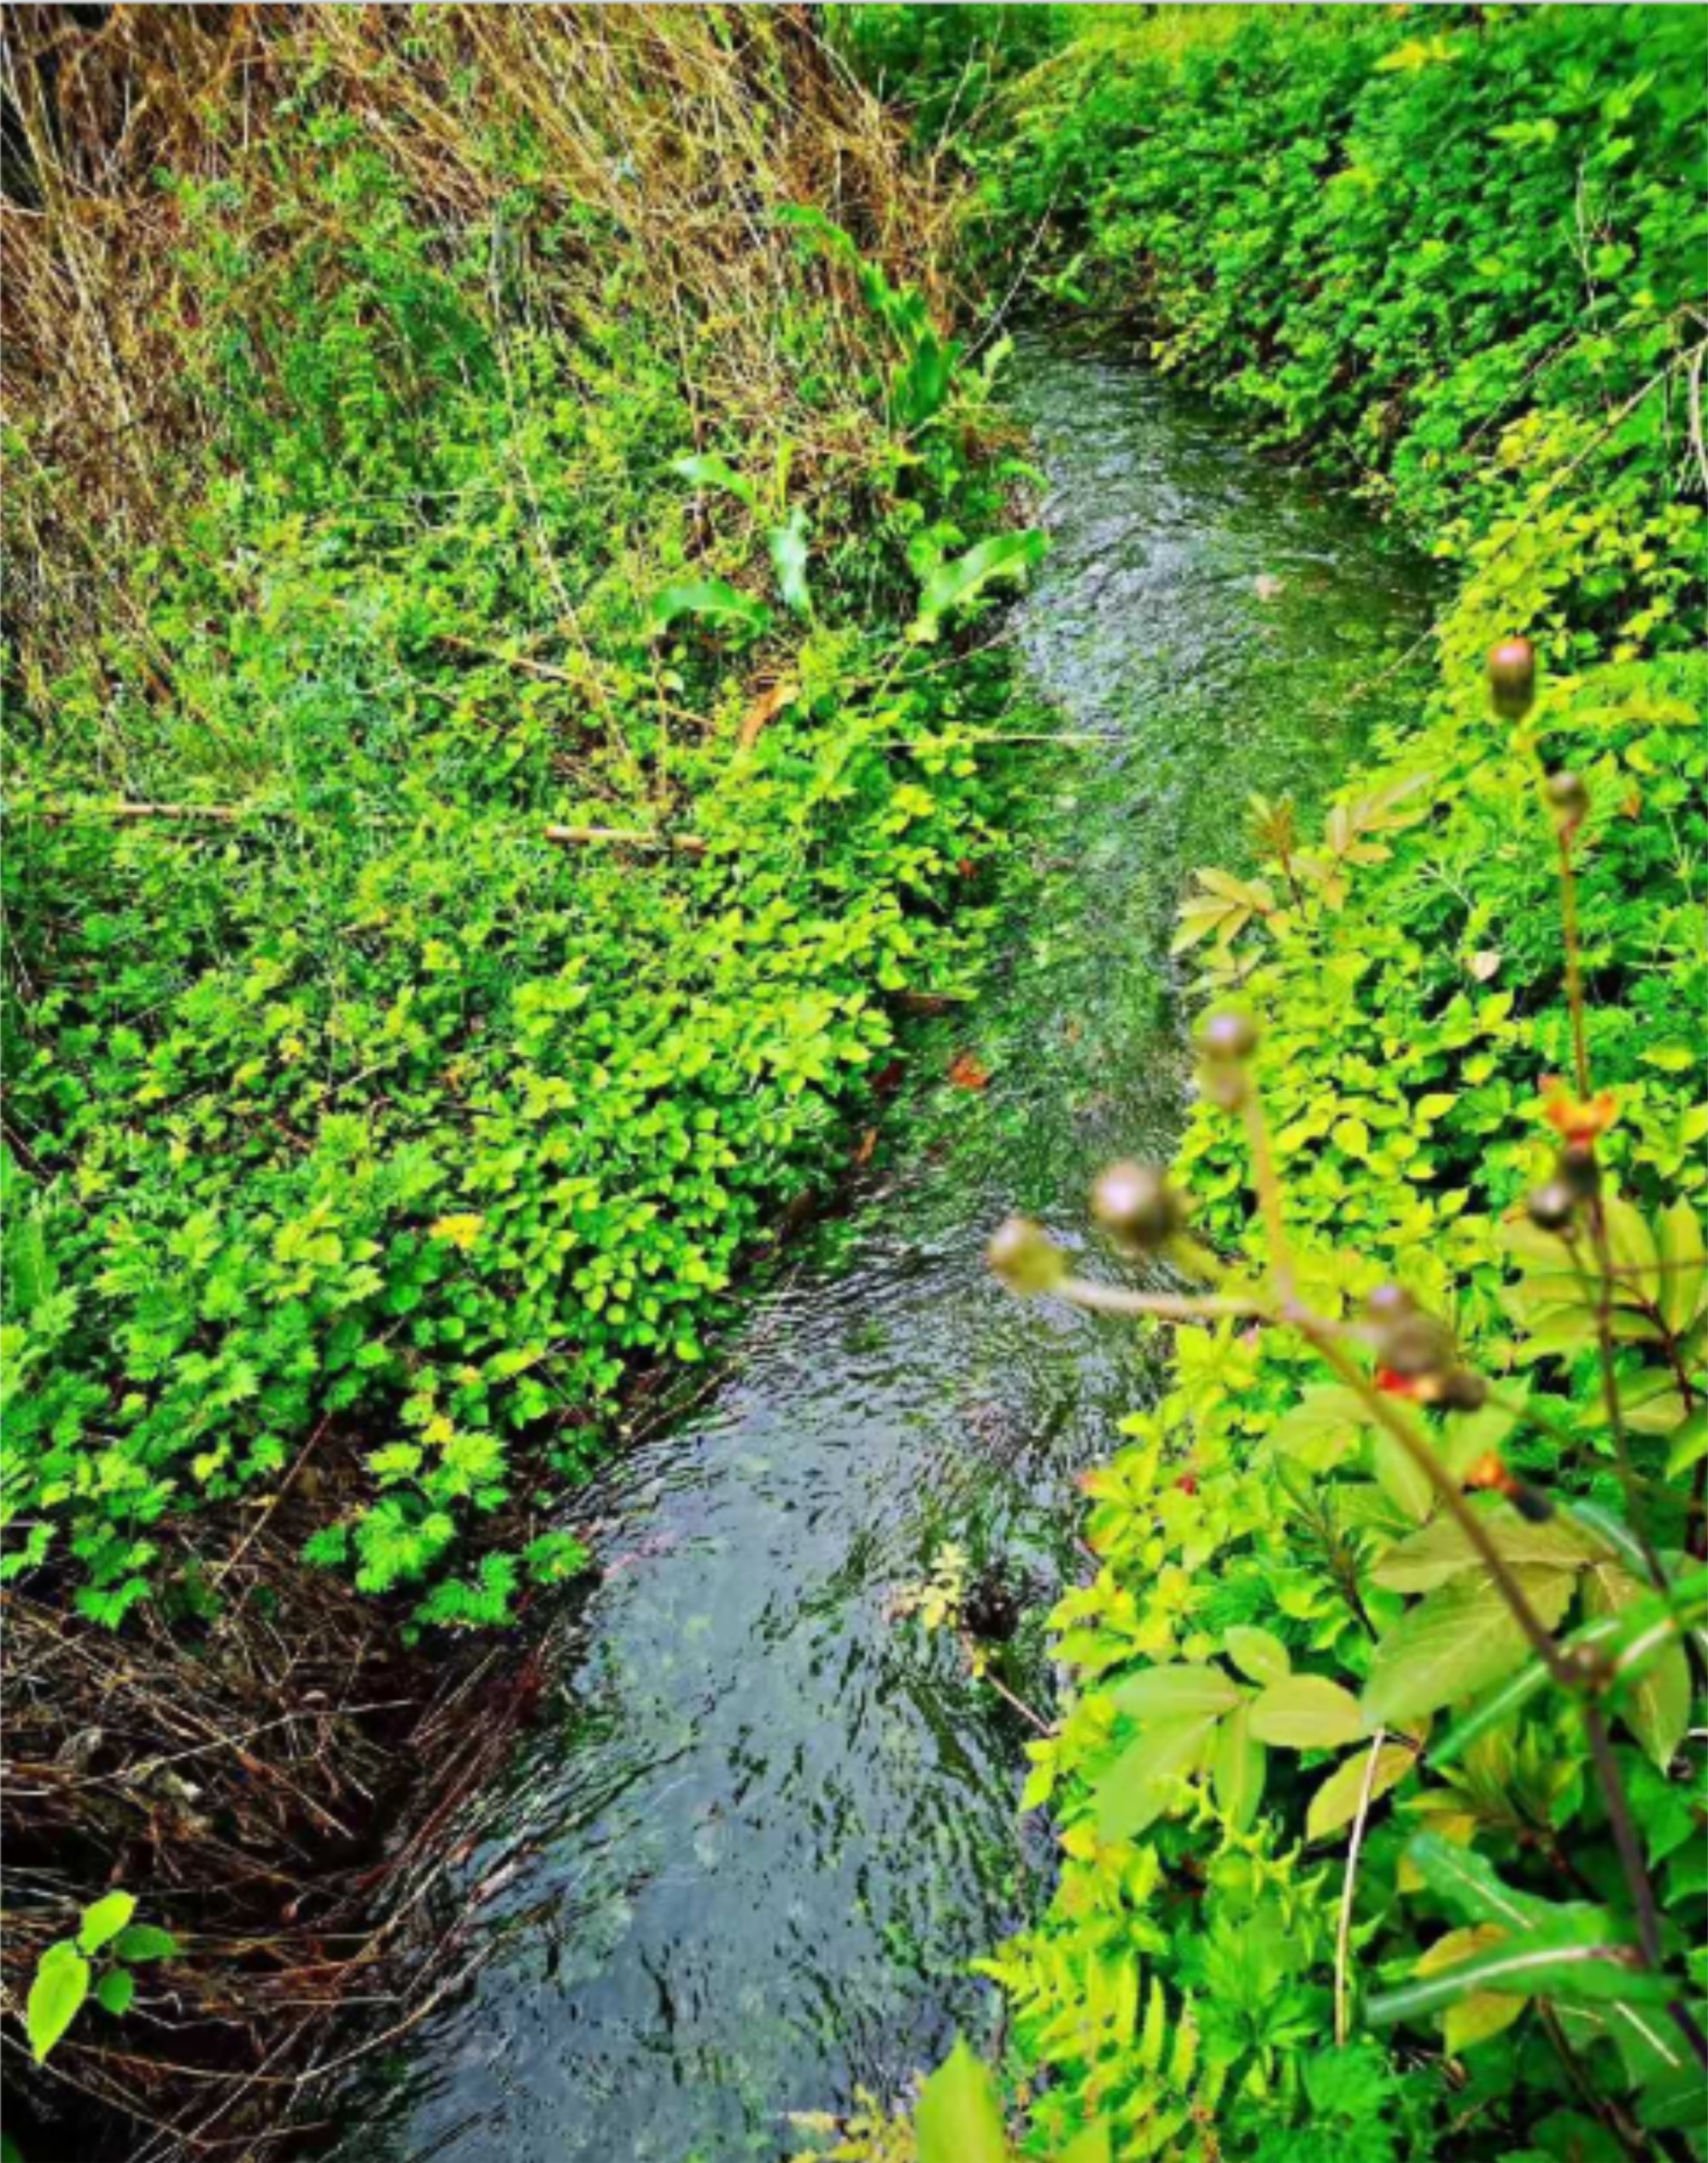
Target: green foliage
[1459, 264]
[99, 1961]
[365, 1127]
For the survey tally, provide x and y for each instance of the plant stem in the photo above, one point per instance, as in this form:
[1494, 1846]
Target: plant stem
[1630, 1851]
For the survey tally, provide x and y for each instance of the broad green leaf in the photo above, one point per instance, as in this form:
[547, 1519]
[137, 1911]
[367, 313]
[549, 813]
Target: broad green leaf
[1683, 1265]
[146, 1942]
[1689, 1444]
[1090, 2145]
[61, 1985]
[1441, 1551]
[1239, 1762]
[962, 578]
[1484, 2013]
[115, 1990]
[103, 1922]
[1407, 1486]
[1468, 1885]
[1548, 1961]
[715, 600]
[1257, 1653]
[1456, 1642]
[788, 558]
[959, 2118]
[1336, 1801]
[1655, 1700]
[1144, 1780]
[1307, 1712]
[1173, 1692]
[1323, 1428]
[707, 470]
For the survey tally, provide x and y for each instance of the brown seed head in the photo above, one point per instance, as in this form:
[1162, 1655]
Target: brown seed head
[1513, 678]
[1025, 1257]
[1135, 1203]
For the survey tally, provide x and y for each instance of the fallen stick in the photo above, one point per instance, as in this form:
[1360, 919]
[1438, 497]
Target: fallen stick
[689, 845]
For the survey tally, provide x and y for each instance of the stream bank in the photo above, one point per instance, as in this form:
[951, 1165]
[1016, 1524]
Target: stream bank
[741, 1862]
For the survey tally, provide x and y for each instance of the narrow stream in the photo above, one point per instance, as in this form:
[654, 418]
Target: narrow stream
[748, 1852]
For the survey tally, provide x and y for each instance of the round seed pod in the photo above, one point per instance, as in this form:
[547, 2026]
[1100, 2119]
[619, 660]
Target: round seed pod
[1462, 1390]
[1227, 1035]
[1388, 1302]
[1513, 678]
[1415, 1346]
[1025, 1257]
[1552, 1206]
[1568, 795]
[1578, 1171]
[1135, 1205]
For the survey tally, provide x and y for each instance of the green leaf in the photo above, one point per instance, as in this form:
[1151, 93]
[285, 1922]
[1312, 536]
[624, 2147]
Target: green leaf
[1468, 1885]
[1684, 1265]
[1238, 1764]
[1307, 1712]
[103, 1922]
[61, 1985]
[1143, 1780]
[115, 1990]
[146, 1942]
[707, 470]
[1323, 1428]
[1441, 1552]
[788, 559]
[1257, 1653]
[1172, 1692]
[954, 583]
[713, 598]
[1550, 1962]
[1336, 1801]
[959, 2118]
[1454, 1643]
[1655, 1699]
[1407, 1486]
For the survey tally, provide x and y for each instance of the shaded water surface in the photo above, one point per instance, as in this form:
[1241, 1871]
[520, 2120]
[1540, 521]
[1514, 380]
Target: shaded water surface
[746, 1854]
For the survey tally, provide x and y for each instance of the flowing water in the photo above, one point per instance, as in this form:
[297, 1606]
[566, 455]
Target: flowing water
[747, 1853]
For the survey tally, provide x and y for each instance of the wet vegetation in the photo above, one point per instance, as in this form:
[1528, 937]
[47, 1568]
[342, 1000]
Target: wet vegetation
[508, 517]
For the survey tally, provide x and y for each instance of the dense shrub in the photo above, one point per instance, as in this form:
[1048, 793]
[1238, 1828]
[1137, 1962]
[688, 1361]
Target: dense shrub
[347, 1108]
[1456, 255]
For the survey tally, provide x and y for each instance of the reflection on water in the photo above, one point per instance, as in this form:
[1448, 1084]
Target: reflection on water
[748, 1852]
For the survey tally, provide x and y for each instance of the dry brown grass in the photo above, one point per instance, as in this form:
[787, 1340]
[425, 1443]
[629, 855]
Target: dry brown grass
[682, 129]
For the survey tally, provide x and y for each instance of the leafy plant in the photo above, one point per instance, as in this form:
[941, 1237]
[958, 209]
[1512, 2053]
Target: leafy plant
[99, 1961]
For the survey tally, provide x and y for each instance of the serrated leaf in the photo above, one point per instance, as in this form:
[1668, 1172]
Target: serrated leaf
[959, 2118]
[1307, 1712]
[1456, 1642]
[1257, 1653]
[1336, 1801]
[56, 1994]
